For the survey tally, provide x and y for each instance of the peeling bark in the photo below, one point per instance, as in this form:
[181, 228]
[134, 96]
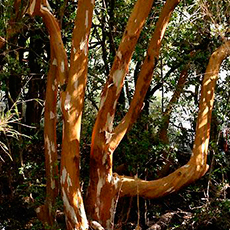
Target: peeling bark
[46, 213]
[72, 105]
[103, 188]
[102, 192]
[145, 75]
[72, 82]
[197, 166]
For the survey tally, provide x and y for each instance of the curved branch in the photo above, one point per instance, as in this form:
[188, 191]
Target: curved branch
[57, 75]
[100, 185]
[196, 167]
[72, 83]
[42, 8]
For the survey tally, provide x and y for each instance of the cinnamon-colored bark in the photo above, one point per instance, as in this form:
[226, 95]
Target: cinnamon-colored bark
[46, 213]
[197, 166]
[145, 75]
[72, 105]
[103, 190]
[105, 187]
[72, 81]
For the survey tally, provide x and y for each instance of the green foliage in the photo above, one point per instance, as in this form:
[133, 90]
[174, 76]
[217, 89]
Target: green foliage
[6, 10]
[142, 152]
[7, 121]
[192, 28]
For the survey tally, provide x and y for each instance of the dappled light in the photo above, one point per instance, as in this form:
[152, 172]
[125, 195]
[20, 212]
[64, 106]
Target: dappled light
[113, 73]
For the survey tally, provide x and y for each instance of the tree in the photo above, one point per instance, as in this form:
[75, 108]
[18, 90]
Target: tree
[106, 187]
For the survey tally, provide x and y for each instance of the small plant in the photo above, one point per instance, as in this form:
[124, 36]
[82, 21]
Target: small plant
[7, 120]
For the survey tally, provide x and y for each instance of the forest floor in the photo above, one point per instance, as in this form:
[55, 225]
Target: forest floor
[202, 205]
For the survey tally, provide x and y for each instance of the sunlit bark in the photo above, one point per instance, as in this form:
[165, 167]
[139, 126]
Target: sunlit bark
[72, 105]
[2, 42]
[197, 166]
[56, 76]
[145, 75]
[105, 187]
[103, 190]
[72, 81]
[46, 213]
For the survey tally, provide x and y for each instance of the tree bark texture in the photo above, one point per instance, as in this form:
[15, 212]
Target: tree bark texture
[72, 81]
[197, 166]
[105, 187]
[46, 212]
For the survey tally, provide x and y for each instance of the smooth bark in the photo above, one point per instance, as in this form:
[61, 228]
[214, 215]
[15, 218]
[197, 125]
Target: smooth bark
[46, 212]
[72, 82]
[72, 105]
[197, 165]
[103, 189]
[102, 192]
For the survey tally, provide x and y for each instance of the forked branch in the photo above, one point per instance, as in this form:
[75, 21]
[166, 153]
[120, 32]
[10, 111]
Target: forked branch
[145, 75]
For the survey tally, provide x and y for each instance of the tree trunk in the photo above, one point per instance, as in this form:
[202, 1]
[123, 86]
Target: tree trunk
[72, 82]
[46, 212]
[104, 186]
[103, 189]
[196, 167]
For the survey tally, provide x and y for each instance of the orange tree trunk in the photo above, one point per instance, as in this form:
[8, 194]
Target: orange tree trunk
[104, 186]
[46, 212]
[72, 81]
[197, 166]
